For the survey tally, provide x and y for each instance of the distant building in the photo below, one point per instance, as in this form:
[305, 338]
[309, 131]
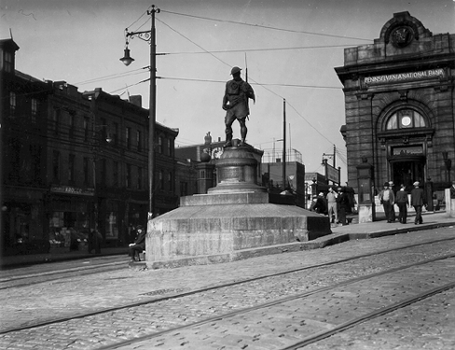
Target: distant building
[273, 169]
[270, 168]
[202, 157]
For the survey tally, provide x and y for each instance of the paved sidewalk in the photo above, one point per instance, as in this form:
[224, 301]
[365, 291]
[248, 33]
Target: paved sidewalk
[339, 234]
[23, 260]
[383, 228]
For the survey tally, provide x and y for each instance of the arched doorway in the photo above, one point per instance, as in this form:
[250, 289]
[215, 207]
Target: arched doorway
[407, 170]
[406, 135]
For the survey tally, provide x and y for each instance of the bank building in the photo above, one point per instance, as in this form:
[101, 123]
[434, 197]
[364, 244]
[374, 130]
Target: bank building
[399, 106]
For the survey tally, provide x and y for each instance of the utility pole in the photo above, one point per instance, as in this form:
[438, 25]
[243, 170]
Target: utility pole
[284, 144]
[152, 111]
[151, 37]
[333, 155]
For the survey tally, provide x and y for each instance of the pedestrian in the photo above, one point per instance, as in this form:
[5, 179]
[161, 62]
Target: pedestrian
[402, 202]
[343, 206]
[392, 210]
[139, 244]
[94, 241]
[452, 190]
[319, 205]
[417, 201]
[332, 209]
[387, 199]
[235, 103]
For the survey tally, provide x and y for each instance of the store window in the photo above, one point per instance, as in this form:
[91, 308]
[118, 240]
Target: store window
[86, 171]
[139, 178]
[405, 119]
[56, 166]
[138, 141]
[71, 162]
[128, 137]
[12, 104]
[160, 145]
[169, 148]
[71, 125]
[115, 174]
[170, 180]
[34, 109]
[56, 120]
[111, 220]
[8, 62]
[161, 180]
[86, 128]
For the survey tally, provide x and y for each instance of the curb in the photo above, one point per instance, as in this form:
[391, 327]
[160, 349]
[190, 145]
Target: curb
[321, 242]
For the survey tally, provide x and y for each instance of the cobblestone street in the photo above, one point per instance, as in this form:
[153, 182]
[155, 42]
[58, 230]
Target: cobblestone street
[78, 295]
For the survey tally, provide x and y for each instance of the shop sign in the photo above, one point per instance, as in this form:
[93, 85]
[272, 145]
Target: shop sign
[332, 174]
[407, 151]
[404, 77]
[73, 190]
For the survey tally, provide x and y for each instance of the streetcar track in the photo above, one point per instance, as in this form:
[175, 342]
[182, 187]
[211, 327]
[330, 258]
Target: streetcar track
[55, 275]
[244, 310]
[181, 294]
[87, 268]
[370, 316]
[321, 335]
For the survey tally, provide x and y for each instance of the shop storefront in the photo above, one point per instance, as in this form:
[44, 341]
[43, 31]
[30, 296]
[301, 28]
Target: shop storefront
[70, 216]
[22, 222]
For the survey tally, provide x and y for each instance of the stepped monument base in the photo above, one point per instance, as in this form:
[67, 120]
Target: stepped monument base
[234, 220]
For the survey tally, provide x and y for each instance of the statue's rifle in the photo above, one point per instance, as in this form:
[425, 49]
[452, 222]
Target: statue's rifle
[246, 95]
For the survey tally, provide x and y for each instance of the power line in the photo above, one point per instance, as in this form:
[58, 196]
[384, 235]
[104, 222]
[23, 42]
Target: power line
[174, 30]
[260, 49]
[267, 27]
[110, 76]
[259, 84]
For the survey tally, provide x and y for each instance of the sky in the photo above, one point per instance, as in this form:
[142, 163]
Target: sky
[289, 47]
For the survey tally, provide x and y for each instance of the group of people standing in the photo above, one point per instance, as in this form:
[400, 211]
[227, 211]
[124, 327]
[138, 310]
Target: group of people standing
[335, 204]
[388, 198]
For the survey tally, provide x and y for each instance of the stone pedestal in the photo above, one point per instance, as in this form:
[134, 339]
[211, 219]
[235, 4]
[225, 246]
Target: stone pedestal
[234, 220]
[450, 204]
[366, 213]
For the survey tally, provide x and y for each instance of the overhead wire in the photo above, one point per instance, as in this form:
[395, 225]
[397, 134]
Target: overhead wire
[266, 27]
[191, 41]
[108, 77]
[259, 49]
[225, 63]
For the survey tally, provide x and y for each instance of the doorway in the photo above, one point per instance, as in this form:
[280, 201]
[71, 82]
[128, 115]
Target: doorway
[407, 172]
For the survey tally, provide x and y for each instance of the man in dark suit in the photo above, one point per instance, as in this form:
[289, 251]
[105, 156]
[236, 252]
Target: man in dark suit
[139, 244]
[417, 201]
[452, 190]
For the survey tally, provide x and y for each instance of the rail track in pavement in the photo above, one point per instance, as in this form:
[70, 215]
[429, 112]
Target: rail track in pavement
[231, 300]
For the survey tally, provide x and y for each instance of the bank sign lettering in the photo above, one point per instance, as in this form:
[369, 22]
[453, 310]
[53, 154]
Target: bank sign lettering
[402, 77]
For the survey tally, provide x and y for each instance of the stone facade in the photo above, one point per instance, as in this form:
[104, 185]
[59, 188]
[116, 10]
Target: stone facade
[399, 105]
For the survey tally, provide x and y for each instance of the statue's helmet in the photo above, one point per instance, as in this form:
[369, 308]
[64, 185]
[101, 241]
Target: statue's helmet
[235, 70]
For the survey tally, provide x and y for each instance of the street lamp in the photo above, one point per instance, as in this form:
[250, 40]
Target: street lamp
[149, 36]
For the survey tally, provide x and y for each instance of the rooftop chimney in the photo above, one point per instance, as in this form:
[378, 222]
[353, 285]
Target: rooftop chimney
[136, 100]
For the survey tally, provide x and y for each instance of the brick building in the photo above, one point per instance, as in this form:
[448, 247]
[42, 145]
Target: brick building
[74, 161]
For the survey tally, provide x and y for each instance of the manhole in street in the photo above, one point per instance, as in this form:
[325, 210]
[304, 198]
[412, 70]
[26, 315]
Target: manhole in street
[163, 291]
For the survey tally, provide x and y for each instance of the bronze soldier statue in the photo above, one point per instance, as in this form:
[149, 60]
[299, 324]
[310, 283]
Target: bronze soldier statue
[235, 103]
